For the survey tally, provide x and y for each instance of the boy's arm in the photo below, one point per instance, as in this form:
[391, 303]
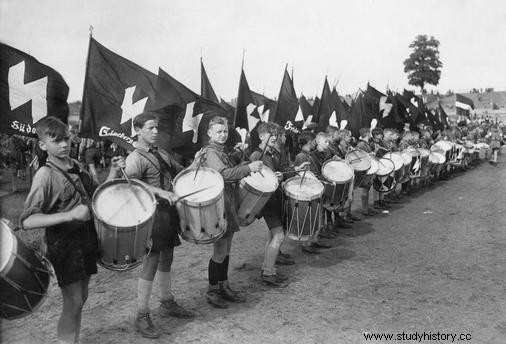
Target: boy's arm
[229, 173]
[39, 220]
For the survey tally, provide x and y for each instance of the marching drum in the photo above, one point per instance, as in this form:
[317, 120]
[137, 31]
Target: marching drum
[408, 161]
[446, 146]
[202, 215]
[254, 191]
[398, 165]
[371, 172]
[424, 162]
[482, 148]
[123, 220]
[361, 163]
[458, 154]
[384, 181]
[339, 176]
[24, 276]
[416, 163]
[436, 161]
[302, 206]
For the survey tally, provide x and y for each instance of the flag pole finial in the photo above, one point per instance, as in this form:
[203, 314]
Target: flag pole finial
[91, 30]
[200, 54]
[243, 53]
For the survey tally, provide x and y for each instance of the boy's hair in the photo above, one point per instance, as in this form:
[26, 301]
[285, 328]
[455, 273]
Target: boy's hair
[321, 136]
[305, 137]
[51, 127]
[377, 131]
[143, 117]
[364, 131]
[267, 128]
[217, 120]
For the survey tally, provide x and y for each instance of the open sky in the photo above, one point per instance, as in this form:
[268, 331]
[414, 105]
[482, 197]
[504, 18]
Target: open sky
[352, 42]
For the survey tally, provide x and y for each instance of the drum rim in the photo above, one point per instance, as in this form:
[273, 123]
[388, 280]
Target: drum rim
[7, 264]
[121, 181]
[398, 155]
[209, 201]
[338, 181]
[249, 187]
[386, 174]
[366, 155]
[296, 197]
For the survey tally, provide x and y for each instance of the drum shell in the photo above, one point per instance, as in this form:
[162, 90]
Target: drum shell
[26, 269]
[302, 219]
[360, 170]
[122, 247]
[202, 222]
[251, 202]
[384, 183]
[336, 192]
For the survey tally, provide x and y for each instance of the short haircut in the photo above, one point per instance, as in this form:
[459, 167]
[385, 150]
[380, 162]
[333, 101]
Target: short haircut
[305, 137]
[377, 131]
[321, 136]
[143, 117]
[364, 131]
[331, 129]
[53, 128]
[267, 128]
[217, 120]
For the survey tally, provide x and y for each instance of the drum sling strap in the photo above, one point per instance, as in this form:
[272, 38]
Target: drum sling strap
[84, 194]
[164, 167]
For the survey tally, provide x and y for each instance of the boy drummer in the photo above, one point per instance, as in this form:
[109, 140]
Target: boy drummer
[156, 168]
[61, 205]
[214, 156]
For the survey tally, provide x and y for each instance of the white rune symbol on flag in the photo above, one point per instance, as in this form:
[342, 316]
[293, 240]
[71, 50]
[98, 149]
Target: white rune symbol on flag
[131, 109]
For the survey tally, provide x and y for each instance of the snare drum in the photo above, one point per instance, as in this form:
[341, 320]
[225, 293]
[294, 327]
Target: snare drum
[384, 181]
[436, 161]
[371, 172]
[398, 165]
[339, 176]
[360, 161]
[424, 162]
[202, 215]
[446, 146]
[408, 161]
[254, 192]
[302, 207]
[416, 162]
[123, 220]
[24, 276]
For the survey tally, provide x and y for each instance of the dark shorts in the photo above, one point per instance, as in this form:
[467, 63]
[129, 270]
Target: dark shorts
[165, 227]
[72, 249]
[273, 211]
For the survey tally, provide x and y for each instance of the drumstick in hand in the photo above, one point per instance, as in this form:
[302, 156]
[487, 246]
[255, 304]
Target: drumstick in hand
[303, 176]
[133, 189]
[248, 159]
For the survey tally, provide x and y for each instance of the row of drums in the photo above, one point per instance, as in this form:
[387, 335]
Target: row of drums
[124, 212]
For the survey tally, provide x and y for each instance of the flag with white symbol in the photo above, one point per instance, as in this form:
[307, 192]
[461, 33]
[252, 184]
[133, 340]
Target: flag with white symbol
[464, 105]
[29, 91]
[287, 107]
[246, 114]
[115, 91]
[322, 116]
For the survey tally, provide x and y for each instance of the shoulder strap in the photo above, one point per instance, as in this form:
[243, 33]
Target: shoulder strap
[82, 192]
[155, 165]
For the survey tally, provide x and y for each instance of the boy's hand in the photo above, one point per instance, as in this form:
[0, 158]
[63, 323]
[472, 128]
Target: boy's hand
[302, 166]
[240, 145]
[80, 213]
[279, 175]
[169, 196]
[256, 166]
[118, 162]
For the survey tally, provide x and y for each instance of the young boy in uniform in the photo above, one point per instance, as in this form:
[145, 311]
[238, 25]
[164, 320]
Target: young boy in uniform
[214, 156]
[59, 200]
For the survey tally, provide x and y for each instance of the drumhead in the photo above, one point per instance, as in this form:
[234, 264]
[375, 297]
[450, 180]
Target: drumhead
[6, 244]
[310, 189]
[386, 166]
[406, 158]
[412, 151]
[444, 145]
[396, 158]
[337, 171]
[437, 158]
[118, 203]
[359, 160]
[186, 182]
[265, 182]
[374, 166]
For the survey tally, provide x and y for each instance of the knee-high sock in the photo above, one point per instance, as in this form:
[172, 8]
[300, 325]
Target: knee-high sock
[144, 288]
[224, 270]
[214, 272]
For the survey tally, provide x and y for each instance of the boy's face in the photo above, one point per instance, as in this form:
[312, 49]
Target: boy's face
[218, 133]
[271, 137]
[59, 149]
[149, 132]
[322, 144]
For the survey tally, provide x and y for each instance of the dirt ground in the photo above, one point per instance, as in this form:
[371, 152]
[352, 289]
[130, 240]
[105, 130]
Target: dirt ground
[435, 263]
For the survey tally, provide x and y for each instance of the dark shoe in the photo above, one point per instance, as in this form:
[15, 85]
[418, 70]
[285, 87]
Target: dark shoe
[273, 281]
[320, 245]
[231, 295]
[281, 277]
[310, 249]
[216, 299]
[325, 234]
[355, 218]
[145, 327]
[347, 220]
[384, 205]
[281, 260]
[284, 254]
[171, 308]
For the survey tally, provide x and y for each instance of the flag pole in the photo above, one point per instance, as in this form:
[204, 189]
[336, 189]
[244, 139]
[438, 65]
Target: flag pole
[85, 79]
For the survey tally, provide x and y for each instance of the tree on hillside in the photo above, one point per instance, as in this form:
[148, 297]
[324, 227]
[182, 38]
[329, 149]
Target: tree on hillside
[423, 65]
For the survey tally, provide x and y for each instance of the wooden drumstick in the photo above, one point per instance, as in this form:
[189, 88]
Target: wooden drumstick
[192, 193]
[248, 159]
[265, 148]
[133, 189]
[303, 176]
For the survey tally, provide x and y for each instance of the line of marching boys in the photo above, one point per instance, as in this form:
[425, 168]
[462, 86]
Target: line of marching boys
[59, 201]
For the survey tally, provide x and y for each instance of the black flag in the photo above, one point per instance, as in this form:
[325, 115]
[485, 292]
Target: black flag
[29, 91]
[206, 90]
[287, 106]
